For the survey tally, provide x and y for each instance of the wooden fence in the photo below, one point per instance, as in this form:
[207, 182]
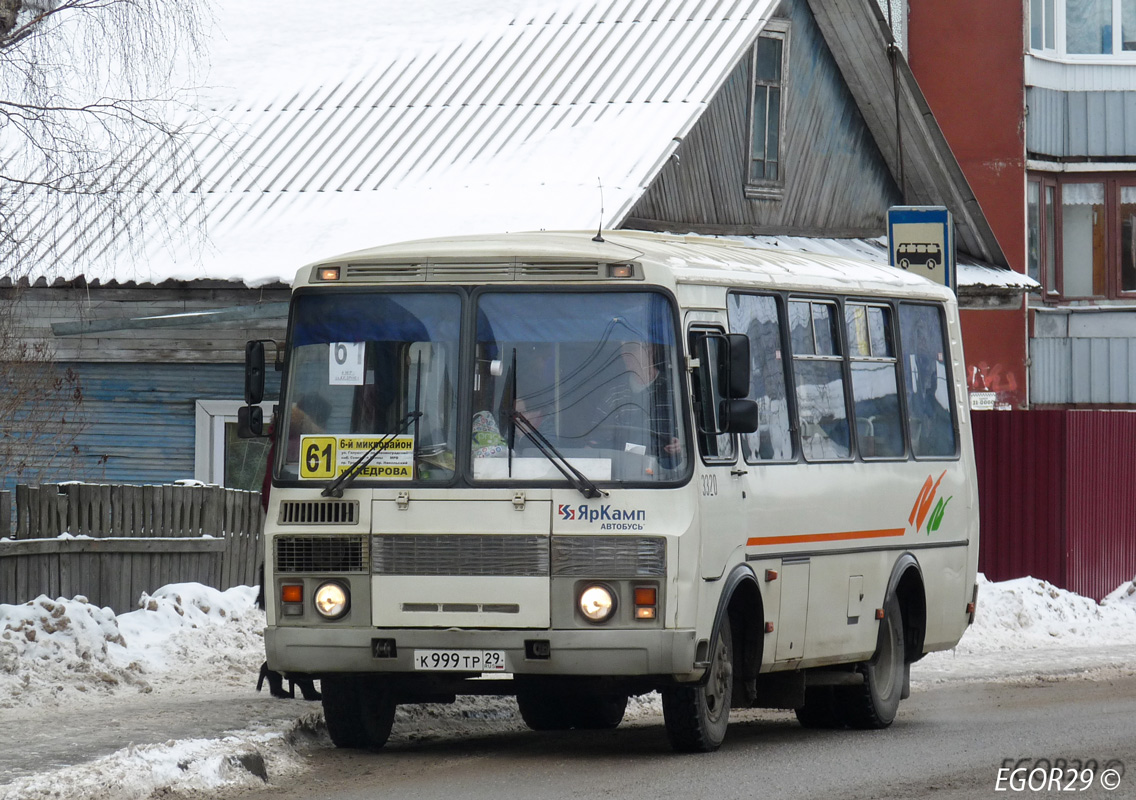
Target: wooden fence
[130, 539]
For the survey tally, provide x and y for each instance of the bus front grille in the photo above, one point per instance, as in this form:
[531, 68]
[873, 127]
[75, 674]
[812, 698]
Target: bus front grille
[319, 512]
[459, 554]
[609, 556]
[321, 554]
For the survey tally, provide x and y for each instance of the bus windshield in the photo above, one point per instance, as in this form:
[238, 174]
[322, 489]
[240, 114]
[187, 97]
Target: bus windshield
[596, 373]
[366, 366]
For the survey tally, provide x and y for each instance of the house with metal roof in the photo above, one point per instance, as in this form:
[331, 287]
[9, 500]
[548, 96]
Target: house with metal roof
[793, 124]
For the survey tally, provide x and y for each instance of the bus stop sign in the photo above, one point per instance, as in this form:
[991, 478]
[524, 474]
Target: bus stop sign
[921, 239]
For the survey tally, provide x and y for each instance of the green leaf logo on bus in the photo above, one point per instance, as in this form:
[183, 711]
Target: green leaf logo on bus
[926, 509]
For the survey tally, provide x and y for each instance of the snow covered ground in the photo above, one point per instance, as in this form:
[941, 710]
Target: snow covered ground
[67, 657]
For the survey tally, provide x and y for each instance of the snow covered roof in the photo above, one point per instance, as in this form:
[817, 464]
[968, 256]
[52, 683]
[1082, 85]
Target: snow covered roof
[971, 274]
[382, 121]
[439, 117]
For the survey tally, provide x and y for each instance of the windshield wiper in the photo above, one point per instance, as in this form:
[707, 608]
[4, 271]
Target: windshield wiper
[336, 487]
[580, 482]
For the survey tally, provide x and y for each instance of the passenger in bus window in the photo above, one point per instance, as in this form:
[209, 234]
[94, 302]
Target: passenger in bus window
[309, 416]
[639, 409]
[932, 431]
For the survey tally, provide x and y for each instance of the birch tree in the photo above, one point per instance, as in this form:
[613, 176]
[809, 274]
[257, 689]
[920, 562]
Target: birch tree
[94, 163]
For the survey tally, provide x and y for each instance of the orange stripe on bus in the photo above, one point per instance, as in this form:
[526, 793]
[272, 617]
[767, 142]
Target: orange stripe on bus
[824, 537]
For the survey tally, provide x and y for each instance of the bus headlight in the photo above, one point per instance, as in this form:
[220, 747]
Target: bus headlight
[597, 603]
[332, 600]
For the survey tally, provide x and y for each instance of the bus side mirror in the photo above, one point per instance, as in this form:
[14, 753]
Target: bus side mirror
[250, 422]
[254, 372]
[738, 416]
[734, 366]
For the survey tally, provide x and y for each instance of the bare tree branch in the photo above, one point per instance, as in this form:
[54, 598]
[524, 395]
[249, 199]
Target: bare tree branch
[91, 127]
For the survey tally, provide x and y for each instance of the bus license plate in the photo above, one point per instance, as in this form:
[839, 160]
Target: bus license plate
[460, 660]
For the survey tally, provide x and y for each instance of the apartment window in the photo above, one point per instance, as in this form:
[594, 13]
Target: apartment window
[1083, 27]
[1128, 238]
[1082, 235]
[765, 176]
[1042, 19]
[1082, 240]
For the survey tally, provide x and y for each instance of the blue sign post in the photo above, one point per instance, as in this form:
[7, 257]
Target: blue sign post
[921, 239]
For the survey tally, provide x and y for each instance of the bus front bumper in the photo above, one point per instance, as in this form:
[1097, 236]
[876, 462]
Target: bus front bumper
[570, 652]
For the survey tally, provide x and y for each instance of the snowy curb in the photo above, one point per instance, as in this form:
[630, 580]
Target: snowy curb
[243, 759]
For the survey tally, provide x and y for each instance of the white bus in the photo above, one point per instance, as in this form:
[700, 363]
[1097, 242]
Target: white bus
[576, 469]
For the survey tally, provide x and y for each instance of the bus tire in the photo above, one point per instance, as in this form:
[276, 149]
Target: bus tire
[696, 716]
[822, 709]
[358, 714]
[544, 711]
[873, 705]
[599, 712]
[342, 712]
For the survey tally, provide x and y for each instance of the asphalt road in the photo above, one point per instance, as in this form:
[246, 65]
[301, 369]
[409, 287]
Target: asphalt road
[948, 742]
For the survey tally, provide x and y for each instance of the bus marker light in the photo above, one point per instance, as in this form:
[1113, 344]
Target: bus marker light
[770, 575]
[329, 273]
[646, 599]
[970, 608]
[620, 271]
[879, 613]
[769, 627]
[292, 593]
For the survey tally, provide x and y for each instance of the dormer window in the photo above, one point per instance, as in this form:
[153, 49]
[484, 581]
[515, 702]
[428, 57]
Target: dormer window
[765, 175]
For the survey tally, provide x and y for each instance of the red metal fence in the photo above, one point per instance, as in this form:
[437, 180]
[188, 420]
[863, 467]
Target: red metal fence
[1058, 497]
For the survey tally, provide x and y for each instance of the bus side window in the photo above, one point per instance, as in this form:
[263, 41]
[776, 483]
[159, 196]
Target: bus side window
[707, 398]
[875, 388]
[818, 370]
[759, 318]
[929, 418]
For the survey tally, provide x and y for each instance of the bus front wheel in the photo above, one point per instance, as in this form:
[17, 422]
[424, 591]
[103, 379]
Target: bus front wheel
[358, 713]
[874, 704]
[696, 716]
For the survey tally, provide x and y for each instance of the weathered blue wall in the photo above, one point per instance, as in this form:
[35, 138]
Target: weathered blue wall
[139, 419]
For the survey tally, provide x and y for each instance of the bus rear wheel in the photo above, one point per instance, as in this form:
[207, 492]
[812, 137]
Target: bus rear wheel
[874, 704]
[696, 717]
[359, 713]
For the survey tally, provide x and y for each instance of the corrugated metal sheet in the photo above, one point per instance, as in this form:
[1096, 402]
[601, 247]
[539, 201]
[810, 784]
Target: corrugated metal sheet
[1082, 370]
[1101, 510]
[1056, 497]
[140, 419]
[1072, 124]
[1080, 76]
[445, 111]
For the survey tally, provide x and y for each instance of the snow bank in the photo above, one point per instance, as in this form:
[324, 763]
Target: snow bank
[1026, 613]
[55, 651]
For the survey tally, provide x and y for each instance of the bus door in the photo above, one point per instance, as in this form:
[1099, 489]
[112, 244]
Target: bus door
[720, 479]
